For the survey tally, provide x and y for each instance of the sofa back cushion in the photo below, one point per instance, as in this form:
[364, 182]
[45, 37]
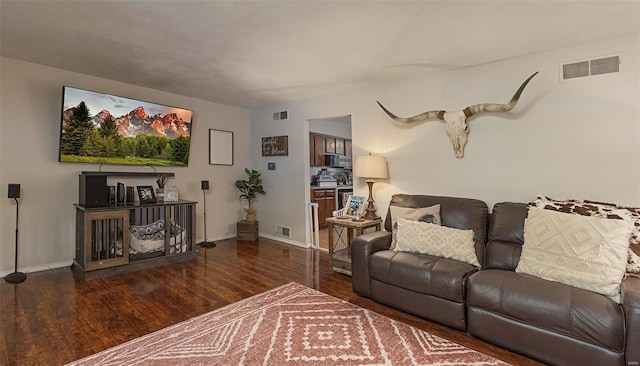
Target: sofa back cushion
[506, 236]
[459, 213]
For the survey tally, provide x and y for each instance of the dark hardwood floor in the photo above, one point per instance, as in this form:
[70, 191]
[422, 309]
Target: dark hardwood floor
[51, 319]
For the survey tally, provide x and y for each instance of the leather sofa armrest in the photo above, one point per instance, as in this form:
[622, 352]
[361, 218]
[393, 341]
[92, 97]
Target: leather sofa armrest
[361, 248]
[631, 306]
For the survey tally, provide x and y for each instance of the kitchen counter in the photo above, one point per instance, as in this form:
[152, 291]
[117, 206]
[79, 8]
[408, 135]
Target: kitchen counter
[334, 187]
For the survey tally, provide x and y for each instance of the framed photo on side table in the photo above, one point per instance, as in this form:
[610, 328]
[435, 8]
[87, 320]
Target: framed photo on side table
[146, 195]
[355, 206]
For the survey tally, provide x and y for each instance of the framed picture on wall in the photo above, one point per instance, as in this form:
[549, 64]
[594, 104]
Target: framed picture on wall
[220, 147]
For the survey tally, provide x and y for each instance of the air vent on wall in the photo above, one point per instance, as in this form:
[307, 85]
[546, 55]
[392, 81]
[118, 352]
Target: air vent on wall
[283, 231]
[598, 66]
[280, 115]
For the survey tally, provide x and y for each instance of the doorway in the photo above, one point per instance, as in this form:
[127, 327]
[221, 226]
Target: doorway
[330, 171]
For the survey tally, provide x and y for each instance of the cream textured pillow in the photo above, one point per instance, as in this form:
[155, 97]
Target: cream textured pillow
[604, 210]
[581, 251]
[440, 241]
[424, 214]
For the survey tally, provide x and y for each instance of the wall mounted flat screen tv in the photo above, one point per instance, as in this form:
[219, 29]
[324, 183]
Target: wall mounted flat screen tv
[108, 129]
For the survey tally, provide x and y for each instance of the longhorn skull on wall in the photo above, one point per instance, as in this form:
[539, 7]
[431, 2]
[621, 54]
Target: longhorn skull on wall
[456, 123]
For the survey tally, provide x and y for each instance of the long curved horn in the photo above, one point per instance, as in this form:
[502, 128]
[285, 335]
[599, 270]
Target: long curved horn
[418, 118]
[491, 107]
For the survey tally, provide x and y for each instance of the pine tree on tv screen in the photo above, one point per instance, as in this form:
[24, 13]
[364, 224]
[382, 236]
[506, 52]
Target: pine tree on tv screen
[131, 137]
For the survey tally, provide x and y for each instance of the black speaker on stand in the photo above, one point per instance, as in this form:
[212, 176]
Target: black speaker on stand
[205, 243]
[15, 277]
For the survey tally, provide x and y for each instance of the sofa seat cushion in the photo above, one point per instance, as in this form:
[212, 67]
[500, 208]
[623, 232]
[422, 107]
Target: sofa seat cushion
[553, 306]
[421, 273]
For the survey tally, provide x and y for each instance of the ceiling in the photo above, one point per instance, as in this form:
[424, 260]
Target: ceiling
[257, 53]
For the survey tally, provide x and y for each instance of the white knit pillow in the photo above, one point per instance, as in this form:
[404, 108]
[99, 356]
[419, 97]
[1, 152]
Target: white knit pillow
[424, 214]
[581, 251]
[440, 241]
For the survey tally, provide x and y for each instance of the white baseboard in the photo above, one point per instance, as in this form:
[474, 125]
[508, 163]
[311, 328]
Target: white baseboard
[285, 240]
[39, 268]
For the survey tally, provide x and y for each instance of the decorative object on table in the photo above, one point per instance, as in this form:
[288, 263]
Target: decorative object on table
[205, 243]
[120, 193]
[456, 123]
[112, 194]
[161, 181]
[146, 195]
[220, 147]
[370, 167]
[15, 277]
[248, 189]
[171, 194]
[130, 195]
[355, 207]
[275, 146]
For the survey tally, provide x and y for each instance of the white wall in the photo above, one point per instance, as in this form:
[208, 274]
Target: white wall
[29, 132]
[339, 127]
[572, 139]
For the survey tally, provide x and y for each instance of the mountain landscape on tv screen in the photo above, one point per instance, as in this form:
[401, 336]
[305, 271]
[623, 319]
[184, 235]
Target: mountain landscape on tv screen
[132, 138]
[138, 122]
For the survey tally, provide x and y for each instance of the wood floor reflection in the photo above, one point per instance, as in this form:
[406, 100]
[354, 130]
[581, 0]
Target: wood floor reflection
[51, 319]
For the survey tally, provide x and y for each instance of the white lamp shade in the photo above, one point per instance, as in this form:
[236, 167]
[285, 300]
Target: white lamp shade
[370, 167]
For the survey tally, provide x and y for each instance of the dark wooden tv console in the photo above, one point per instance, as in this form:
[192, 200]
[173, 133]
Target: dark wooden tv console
[103, 237]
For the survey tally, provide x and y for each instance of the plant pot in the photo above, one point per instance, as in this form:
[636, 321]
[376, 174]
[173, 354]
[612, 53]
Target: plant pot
[250, 214]
[160, 194]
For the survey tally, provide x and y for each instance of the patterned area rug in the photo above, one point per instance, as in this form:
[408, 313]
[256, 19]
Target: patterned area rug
[291, 324]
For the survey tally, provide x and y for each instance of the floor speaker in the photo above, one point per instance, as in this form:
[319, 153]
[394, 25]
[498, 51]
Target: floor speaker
[93, 191]
[14, 191]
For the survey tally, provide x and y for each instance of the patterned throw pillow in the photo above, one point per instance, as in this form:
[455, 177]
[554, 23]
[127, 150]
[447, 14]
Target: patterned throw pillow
[429, 214]
[148, 232]
[440, 241]
[602, 210]
[580, 251]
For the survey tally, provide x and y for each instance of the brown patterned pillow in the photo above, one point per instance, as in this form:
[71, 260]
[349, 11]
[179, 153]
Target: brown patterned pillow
[602, 210]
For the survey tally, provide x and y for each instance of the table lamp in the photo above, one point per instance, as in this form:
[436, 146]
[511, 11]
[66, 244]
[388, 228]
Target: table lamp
[370, 167]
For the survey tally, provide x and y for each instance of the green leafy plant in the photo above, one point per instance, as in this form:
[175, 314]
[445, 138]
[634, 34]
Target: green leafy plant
[162, 180]
[251, 186]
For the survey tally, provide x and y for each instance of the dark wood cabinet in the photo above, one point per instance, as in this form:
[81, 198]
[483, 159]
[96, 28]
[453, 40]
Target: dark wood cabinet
[319, 145]
[106, 246]
[330, 145]
[326, 200]
[340, 146]
[318, 150]
[347, 149]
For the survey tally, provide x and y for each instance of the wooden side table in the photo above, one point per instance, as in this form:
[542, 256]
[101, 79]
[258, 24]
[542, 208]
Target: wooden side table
[340, 252]
[247, 230]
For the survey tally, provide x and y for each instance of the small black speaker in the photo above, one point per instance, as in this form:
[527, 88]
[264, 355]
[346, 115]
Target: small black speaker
[120, 193]
[205, 185]
[14, 191]
[130, 194]
[93, 191]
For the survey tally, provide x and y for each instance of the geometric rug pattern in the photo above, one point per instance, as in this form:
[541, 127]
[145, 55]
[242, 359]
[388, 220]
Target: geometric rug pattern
[289, 325]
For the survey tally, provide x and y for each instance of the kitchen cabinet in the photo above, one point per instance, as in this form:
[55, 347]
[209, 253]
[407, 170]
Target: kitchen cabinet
[326, 200]
[330, 145]
[318, 150]
[340, 146]
[319, 145]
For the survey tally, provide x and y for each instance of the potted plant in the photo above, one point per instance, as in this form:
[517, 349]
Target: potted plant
[161, 180]
[248, 189]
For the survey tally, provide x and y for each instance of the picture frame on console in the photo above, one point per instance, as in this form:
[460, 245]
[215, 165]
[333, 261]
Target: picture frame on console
[145, 194]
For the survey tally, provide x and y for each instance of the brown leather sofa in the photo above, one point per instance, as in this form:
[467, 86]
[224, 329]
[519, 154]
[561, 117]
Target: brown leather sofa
[544, 320]
[427, 286]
